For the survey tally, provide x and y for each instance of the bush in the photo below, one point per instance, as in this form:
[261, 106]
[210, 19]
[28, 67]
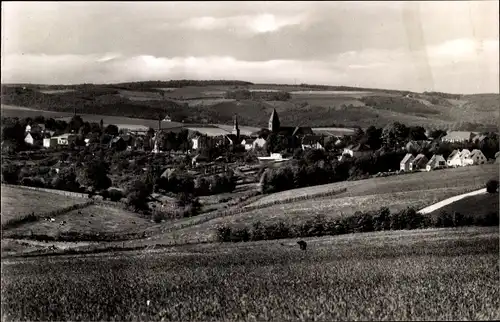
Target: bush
[492, 186]
[359, 222]
[115, 195]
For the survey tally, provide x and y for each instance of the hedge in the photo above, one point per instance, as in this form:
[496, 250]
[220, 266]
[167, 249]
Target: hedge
[380, 220]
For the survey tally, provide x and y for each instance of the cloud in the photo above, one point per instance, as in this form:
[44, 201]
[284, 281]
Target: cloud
[455, 66]
[259, 23]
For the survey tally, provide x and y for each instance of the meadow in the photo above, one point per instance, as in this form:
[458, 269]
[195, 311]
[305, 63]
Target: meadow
[19, 202]
[476, 205]
[441, 274]
[473, 176]
[95, 221]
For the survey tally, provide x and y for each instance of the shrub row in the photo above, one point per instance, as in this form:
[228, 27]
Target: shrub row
[380, 220]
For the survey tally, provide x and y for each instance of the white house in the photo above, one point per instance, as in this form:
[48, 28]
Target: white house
[49, 142]
[458, 136]
[260, 142]
[475, 157]
[358, 150]
[248, 144]
[419, 162]
[312, 142]
[33, 138]
[457, 157]
[65, 139]
[404, 165]
[436, 162]
[34, 128]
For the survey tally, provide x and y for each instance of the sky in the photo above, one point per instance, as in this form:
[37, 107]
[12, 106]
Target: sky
[419, 46]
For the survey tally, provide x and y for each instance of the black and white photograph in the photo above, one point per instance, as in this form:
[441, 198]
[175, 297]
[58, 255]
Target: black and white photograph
[250, 161]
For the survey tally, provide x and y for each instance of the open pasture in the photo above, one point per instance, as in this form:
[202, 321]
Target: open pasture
[92, 220]
[445, 274]
[18, 202]
[331, 207]
[458, 177]
[481, 204]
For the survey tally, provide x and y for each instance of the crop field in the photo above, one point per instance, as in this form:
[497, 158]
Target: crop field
[447, 274]
[92, 220]
[56, 91]
[21, 112]
[17, 202]
[478, 205]
[472, 176]
[331, 207]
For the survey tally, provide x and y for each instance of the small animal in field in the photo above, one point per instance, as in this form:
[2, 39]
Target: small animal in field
[302, 244]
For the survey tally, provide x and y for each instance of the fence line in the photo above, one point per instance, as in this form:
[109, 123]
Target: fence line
[59, 192]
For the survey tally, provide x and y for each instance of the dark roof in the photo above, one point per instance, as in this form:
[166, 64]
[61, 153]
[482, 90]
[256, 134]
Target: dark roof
[233, 138]
[360, 147]
[274, 120]
[303, 130]
[311, 139]
[116, 139]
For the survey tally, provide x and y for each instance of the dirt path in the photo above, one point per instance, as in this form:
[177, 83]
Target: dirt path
[445, 202]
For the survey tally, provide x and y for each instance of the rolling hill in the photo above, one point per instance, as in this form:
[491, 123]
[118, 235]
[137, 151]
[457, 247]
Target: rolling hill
[309, 105]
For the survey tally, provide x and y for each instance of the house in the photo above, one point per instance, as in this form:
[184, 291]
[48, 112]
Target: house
[167, 119]
[457, 157]
[458, 136]
[412, 146]
[203, 141]
[198, 159]
[479, 138]
[233, 139]
[436, 162]
[248, 143]
[118, 143]
[419, 162]
[33, 138]
[258, 143]
[34, 128]
[404, 165]
[357, 150]
[49, 142]
[312, 142]
[273, 158]
[475, 157]
[65, 139]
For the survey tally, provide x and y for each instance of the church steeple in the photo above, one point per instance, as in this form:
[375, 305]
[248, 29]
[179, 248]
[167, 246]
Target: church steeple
[274, 122]
[236, 129]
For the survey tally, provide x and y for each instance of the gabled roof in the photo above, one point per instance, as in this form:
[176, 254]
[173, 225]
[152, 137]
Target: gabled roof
[458, 136]
[359, 147]
[419, 158]
[474, 152]
[274, 119]
[453, 154]
[35, 136]
[408, 157]
[311, 139]
[116, 139]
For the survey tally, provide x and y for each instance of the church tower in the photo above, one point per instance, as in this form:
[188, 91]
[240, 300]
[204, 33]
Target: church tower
[236, 129]
[274, 122]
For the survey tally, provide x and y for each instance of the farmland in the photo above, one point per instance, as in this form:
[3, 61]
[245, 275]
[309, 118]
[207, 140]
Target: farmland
[90, 221]
[459, 177]
[478, 205]
[18, 202]
[308, 106]
[405, 275]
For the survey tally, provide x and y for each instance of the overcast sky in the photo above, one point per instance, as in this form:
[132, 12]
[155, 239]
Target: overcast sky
[442, 46]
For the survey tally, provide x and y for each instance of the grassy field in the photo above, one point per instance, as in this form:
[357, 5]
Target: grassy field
[17, 202]
[458, 177]
[476, 205]
[92, 220]
[301, 211]
[305, 107]
[448, 274]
